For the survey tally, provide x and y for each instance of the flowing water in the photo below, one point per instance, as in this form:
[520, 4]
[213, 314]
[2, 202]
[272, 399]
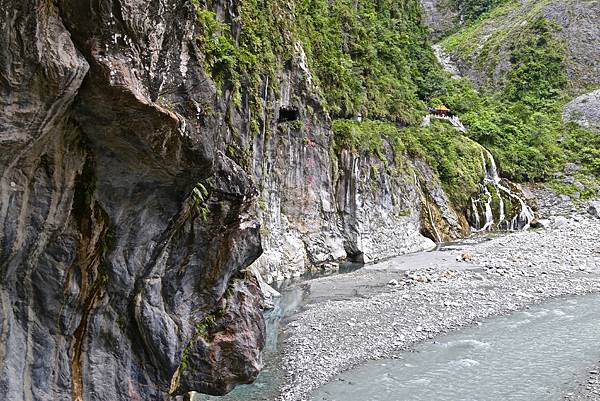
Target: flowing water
[532, 355]
[521, 219]
[267, 384]
[293, 298]
[527, 356]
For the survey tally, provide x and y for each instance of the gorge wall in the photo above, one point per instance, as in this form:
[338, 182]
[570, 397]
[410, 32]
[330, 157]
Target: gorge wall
[115, 282]
[137, 189]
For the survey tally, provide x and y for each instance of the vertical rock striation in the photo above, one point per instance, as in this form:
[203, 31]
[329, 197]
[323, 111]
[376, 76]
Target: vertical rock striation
[108, 264]
[135, 192]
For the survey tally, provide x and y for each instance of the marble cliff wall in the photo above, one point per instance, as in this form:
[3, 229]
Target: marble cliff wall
[115, 283]
[133, 198]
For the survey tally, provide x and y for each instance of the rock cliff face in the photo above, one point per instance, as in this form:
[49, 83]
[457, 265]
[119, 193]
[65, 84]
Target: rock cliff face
[135, 193]
[318, 204]
[483, 53]
[116, 283]
[440, 16]
[584, 110]
[320, 207]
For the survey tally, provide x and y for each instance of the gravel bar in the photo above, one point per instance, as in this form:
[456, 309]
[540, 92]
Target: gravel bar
[501, 275]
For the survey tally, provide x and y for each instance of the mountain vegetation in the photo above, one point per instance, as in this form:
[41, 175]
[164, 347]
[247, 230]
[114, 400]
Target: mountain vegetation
[521, 58]
[373, 58]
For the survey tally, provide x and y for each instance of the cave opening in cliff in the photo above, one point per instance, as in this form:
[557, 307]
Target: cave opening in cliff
[288, 114]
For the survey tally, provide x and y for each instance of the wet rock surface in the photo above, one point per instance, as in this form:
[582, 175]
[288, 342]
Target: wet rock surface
[324, 208]
[503, 274]
[108, 262]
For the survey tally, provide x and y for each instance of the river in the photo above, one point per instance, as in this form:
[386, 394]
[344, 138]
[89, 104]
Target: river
[530, 355]
[533, 354]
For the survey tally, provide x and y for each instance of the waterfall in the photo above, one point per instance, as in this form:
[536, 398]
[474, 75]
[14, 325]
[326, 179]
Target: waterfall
[521, 220]
[492, 177]
[501, 216]
[475, 214]
[489, 216]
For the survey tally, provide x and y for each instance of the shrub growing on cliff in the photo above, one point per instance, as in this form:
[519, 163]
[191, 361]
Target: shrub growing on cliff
[216, 43]
[369, 57]
[519, 122]
[455, 158]
[470, 10]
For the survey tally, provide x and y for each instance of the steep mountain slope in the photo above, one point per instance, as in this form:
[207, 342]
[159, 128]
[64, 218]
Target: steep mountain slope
[527, 60]
[296, 71]
[484, 48]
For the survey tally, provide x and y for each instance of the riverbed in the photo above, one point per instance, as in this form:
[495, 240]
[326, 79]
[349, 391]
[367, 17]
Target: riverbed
[531, 355]
[336, 323]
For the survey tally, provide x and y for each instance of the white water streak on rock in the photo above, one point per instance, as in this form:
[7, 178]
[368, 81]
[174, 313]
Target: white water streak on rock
[521, 220]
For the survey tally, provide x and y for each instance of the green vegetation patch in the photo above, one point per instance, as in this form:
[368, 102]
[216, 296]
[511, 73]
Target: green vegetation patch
[370, 57]
[520, 121]
[373, 58]
[455, 158]
[506, 27]
[471, 10]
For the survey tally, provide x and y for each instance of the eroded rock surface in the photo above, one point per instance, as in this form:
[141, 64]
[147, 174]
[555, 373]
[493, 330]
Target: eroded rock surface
[576, 28]
[135, 193]
[584, 110]
[107, 261]
[440, 17]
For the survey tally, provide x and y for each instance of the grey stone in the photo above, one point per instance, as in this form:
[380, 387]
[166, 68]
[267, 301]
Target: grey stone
[544, 223]
[571, 168]
[439, 17]
[584, 110]
[109, 265]
[560, 221]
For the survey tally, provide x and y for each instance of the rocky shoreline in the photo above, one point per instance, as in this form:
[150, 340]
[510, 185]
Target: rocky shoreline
[451, 289]
[589, 389]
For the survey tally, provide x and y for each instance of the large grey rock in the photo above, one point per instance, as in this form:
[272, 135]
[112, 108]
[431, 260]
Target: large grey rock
[202, 368]
[560, 221]
[594, 208]
[584, 110]
[107, 264]
[317, 206]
